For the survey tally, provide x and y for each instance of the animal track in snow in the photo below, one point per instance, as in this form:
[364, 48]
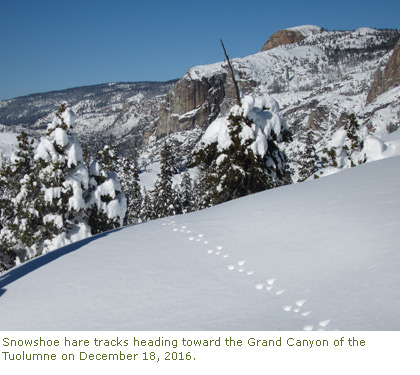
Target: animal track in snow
[259, 286]
[324, 323]
[305, 313]
[270, 281]
[191, 238]
[308, 328]
[231, 267]
[210, 251]
[287, 308]
[300, 302]
[249, 273]
[278, 292]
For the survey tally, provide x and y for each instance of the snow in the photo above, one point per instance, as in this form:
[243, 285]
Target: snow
[8, 143]
[373, 148]
[319, 255]
[263, 110]
[306, 30]
[217, 132]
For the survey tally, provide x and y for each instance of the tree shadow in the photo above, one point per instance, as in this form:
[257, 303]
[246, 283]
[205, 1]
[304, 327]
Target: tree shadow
[16, 273]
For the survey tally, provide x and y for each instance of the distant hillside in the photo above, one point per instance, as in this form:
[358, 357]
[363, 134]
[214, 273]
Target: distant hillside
[113, 110]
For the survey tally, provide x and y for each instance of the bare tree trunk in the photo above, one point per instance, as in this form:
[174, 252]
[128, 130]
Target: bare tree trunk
[238, 95]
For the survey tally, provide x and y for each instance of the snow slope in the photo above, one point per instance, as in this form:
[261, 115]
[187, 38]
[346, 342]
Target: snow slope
[319, 255]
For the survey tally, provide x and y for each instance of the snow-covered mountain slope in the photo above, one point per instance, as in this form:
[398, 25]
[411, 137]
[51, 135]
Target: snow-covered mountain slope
[118, 112]
[319, 255]
[326, 75]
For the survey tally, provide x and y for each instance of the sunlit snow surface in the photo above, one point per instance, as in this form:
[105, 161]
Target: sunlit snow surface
[319, 255]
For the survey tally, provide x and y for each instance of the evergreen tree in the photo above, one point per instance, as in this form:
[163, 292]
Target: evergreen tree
[354, 143]
[147, 210]
[130, 184]
[307, 159]
[164, 198]
[20, 219]
[106, 203]
[239, 169]
[347, 150]
[186, 195]
[64, 181]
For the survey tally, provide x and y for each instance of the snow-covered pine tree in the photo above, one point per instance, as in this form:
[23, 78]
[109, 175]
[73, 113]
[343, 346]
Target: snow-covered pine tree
[21, 223]
[165, 200]
[354, 145]
[186, 194]
[307, 159]
[7, 255]
[130, 184]
[64, 181]
[345, 149]
[106, 203]
[147, 210]
[240, 154]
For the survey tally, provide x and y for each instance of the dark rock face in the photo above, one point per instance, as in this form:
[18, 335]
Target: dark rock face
[191, 102]
[388, 78]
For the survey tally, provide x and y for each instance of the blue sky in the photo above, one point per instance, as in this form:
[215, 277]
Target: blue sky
[51, 44]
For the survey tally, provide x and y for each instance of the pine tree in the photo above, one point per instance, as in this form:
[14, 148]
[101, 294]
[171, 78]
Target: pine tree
[186, 195]
[147, 210]
[347, 152]
[106, 203]
[237, 170]
[164, 198]
[7, 255]
[130, 184]
[64, 182]
[21, 219]
[307, 159]
[354, 144]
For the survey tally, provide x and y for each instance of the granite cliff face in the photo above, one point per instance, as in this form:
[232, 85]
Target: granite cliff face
[191, 102]
[387, 78]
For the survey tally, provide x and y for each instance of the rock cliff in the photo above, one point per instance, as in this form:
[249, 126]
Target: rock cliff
[387, 78]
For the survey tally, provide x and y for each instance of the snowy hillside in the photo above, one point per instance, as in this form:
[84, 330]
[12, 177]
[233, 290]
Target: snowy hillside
[116, 111]
[319, 255]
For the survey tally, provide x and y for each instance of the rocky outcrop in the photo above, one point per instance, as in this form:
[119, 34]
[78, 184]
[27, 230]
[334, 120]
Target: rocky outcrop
[282, 37]
[196, 100]
[289, 36]
[191, 102]
[388, 78]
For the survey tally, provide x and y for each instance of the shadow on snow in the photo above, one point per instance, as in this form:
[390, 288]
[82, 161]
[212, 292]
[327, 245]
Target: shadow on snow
[16, 273]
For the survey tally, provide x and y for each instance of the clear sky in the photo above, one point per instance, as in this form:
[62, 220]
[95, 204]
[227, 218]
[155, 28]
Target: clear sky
[52, 44]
